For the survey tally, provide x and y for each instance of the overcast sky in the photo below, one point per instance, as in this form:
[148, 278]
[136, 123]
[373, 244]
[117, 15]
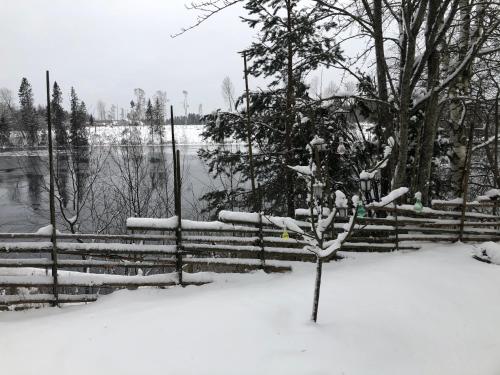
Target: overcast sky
[106, 48]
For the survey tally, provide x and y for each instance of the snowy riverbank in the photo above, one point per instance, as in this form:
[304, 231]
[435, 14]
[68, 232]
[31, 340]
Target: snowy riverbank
[433, 311]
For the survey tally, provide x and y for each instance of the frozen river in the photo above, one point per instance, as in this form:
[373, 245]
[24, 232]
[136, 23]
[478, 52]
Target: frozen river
[24, 181]
[24, 178]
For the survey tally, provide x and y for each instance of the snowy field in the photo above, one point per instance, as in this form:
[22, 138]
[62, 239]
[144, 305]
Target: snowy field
[434, 311]
[185, 134]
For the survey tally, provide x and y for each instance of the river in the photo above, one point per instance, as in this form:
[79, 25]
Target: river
[24, 186]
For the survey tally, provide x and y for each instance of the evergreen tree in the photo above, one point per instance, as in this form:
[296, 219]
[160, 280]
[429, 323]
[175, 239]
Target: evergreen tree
[82, 134]
[58, 117]
[78, 116]
[149, 118]
[292, 41]
[4, 130]
[28, 117]
[313, 119]
[158, 117]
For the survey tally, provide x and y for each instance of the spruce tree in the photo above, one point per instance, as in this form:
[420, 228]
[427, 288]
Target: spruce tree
[28, 117]
[78, 117]
[158, 118]
[4, 130]
[58, 117]
[149, 119]
[292, 41]
[82, 133]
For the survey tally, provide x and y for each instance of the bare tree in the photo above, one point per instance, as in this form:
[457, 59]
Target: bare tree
[113, 112]
[185, 105]
[227, 89]
[140, 103]
[101, 110]
[6, 100]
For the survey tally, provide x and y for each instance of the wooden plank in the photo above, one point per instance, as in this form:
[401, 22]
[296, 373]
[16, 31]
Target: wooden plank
[236, 265]
[64, 263]
[480, 204]
[86, 248]
[435, 213]
[8, 300]
[12, 282]
[90, 236]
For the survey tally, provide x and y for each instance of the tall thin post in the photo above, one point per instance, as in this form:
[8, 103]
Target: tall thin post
[261, 244]
[249, 133]
[53, 236]
[495, 147]
[178, 262]
[396, 224]
[177, 193]
[465, 181]
[174, 155]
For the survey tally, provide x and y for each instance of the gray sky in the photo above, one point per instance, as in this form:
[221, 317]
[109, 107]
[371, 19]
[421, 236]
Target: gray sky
[106, 48]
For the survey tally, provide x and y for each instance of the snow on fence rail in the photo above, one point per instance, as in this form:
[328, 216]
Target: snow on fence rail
[237, 242]
[198, 253]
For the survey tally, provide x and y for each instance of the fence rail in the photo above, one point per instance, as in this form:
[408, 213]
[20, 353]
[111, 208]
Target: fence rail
[153, 250]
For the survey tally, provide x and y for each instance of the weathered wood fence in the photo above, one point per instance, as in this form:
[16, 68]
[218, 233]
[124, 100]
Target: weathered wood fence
[160, 253]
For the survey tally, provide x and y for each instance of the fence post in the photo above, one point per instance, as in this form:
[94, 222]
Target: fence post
[53, 236]
[177, 198]
[396, 224]
[249, 133]
[465, 181]
[178, 231]
[261, 243]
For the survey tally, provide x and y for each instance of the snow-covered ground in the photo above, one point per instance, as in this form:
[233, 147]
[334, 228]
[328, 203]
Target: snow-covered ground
[433, 311]
[185, 134]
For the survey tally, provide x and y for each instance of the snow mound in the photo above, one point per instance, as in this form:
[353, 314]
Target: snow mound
[489, 252]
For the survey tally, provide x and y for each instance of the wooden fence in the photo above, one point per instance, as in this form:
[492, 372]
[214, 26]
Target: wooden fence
[157, 252]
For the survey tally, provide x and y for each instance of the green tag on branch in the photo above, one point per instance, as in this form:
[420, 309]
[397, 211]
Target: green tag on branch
[418, 206]
[285, 235]
[361, 210]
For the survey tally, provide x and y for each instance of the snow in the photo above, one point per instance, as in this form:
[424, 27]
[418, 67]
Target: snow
[253, 218]
[172, 222]
[86, 279]
[364, 175]
[491, 194]
[46, 230]
[434, 311]
[391, 197]
[340, 199]
[184, 134]
[88, 246]
[317, 141]
[489, 251]
[306, 170]
[429, 210]
[450, 201]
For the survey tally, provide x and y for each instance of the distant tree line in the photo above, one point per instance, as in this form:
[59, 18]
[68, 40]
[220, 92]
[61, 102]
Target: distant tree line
[29, 122]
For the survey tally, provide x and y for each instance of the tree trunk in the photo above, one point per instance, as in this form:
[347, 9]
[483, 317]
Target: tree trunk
[384, 128]
[404, 116]
[459, 87]
[289, 114]
[317, 286]
[431, 111]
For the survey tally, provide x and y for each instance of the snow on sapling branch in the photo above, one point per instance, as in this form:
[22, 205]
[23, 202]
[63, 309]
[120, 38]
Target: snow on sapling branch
[319, 225]
[311, 173]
